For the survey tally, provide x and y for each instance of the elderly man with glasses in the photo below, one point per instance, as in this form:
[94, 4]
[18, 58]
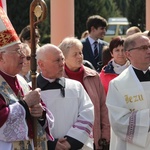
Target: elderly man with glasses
[128, 98]
[18, 104]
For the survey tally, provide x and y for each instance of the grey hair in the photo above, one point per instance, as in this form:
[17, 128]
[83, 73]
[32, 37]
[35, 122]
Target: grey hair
[68, 43]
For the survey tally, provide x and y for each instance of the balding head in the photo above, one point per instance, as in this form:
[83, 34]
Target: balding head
[46, 50]
[50, 60]
[137, 47]
[132, 40]
[133, 30]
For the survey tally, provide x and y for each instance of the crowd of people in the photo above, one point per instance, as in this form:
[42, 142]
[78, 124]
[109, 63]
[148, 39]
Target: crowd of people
[90, 94]
[89, 78]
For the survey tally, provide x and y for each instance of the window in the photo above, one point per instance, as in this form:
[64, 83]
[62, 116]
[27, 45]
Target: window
[111, 30]
[123, 29]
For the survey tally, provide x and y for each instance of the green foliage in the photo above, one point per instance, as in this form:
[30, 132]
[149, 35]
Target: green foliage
[122, 6]
[136, 13]
[44, 27]
[86, 8]
[18, 13]
[112, 9]
[134, 10]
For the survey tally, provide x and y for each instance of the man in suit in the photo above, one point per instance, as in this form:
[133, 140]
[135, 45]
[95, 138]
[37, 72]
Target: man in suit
[93, 44]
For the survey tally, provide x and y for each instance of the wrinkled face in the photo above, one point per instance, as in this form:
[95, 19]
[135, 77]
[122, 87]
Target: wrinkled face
[53, 64]
[140, 54]
[26, 60]
[11, 60]
[74, 58]
[99, 33]
[119, 55]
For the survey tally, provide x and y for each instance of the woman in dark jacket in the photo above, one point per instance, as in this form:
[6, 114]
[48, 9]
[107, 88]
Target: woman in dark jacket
[116, 65]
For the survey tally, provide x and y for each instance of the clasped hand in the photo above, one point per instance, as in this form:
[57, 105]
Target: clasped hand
[33, 101]
[62, 144]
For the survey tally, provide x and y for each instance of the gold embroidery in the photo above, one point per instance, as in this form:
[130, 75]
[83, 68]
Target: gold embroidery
[25, 145]
[132, 110]
[128, 99]
[140, 97]
[135, 98]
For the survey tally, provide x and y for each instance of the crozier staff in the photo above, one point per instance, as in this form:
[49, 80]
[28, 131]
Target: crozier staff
[37, 15]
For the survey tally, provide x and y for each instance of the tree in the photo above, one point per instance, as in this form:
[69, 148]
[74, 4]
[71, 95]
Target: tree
[45, 26]
[112, 9]
[19, 14]
[136, 13]
[122, 6]
[86, 8]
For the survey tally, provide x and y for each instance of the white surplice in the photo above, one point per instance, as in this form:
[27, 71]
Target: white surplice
[74, 113]
[129, 112]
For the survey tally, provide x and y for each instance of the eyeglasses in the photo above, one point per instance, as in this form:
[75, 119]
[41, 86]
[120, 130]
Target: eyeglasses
[143, 47]
[28, 58]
